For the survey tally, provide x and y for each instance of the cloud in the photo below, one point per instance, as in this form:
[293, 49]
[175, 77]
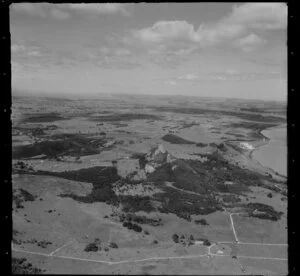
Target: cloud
[64, 11]
[167, 61]
[249, 43]
[228, 74]
[122, 52]
[27, 48]
[117, 63]
[16, 67]
[234, 75]
[260, 15]
[110, 51]
[58, 14]
[34, 53]
[31, 53]
[243, 19]
[110, 58]
[179, 48]
[171, 82]
[108, 8]
[183, 31]
[34, 56]
[15, 48]
[189, 77]
[169, 55]
[166, 30]
[34, 9]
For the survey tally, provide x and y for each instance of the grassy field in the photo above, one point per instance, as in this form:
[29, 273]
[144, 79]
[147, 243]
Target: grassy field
[91, 185]
[255, 230]
[207, 112]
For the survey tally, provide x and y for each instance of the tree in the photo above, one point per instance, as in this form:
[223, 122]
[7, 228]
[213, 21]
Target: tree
[175, 238]
[91, 247]
[206, 242]
[113, 245]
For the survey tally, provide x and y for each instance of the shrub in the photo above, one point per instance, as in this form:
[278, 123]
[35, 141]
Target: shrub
[43, 244]
[136, 228]
[201, 221]
[141, 219]
[206, 242]
[132, 226]
[26, 195]
[113, 245]
[91, 247]
[21, 266]
[175, 238]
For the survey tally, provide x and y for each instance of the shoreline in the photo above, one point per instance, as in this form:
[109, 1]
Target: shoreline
[263, 144]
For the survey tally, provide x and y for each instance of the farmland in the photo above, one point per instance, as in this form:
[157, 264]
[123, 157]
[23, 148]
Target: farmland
[96, 190]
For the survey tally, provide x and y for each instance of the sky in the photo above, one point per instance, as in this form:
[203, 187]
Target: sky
[235, 50]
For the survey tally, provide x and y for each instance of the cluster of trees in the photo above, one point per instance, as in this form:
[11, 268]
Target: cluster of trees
[133, 226]
[113, 245]
[100, 177]
[201, 221]
[140, 219]
[44, 118]
[43, 243]
[22, 196]
[136, 203]
[91, 247]
[175, 238]
[64, 144]
[174, 139]
[206, 242]
[26, 195]
[186, 204]
[263, 211]
[96, 245]
[23, 166]
[21, 266]
[125, 117]
[183, 239]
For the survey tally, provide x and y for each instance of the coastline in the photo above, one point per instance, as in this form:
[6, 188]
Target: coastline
[263, 143]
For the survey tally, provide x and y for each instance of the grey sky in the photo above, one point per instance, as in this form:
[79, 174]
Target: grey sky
[204, 49]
